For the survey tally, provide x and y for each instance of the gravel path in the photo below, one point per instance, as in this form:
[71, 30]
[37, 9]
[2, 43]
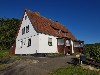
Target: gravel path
[36, 65]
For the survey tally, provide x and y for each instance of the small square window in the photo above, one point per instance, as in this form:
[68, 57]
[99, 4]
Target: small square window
[29, 42]
[50, 41]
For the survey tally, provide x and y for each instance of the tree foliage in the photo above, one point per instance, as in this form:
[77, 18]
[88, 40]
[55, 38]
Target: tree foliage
[92, 51]
[8, 30]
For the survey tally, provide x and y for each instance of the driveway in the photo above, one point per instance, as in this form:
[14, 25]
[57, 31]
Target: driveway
[36, 65]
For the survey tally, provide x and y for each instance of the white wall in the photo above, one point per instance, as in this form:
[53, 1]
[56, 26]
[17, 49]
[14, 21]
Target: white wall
[31, 34]
[43, 44]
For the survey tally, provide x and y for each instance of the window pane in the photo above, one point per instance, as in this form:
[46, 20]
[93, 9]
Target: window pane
[49, 39]
[23, 31]
[29, 42]
[60, 41]
[25, 17]
[67, 43]
[27, 29]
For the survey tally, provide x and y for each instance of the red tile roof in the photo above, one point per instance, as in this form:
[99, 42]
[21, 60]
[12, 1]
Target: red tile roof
[44, 25]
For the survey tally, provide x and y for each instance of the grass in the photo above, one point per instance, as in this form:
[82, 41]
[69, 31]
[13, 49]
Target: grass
[74, 70]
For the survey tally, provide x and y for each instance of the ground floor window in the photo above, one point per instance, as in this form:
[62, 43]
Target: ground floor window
[50, 41]
[29, 42]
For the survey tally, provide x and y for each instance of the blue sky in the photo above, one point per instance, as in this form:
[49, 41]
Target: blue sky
[81, 17]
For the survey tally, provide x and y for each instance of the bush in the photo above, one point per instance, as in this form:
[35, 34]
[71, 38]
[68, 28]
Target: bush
[92, 51]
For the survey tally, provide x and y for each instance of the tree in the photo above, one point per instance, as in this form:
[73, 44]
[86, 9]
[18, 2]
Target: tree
[8, 30]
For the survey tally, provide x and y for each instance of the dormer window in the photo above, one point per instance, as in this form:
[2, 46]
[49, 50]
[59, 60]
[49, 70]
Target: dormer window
[59, 31]
[66, 34]
[25, 17]
[27, 29]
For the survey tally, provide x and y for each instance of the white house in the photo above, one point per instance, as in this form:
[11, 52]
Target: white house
[38, 34]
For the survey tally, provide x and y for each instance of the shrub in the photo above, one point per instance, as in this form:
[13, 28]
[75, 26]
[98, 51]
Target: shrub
[92, 51]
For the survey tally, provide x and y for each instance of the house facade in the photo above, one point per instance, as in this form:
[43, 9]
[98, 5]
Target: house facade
[37, 34]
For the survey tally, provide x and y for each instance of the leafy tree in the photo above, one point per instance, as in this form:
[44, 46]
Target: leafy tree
[8, 30]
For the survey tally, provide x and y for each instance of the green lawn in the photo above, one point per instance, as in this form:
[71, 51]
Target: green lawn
[74, 70]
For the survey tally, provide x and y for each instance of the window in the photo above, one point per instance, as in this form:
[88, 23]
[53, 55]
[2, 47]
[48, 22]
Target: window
[59, 31]
[23, 31]
[67, 43]
[25, 17]
[66, 34]
[27, 29]
[29, 42]
[50, 41]
[60, 41]
[21, 43]
[76, 44]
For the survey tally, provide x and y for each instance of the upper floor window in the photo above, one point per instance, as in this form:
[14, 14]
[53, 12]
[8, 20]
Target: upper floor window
[50, 41]
[23, 31]
[29, 42]
[25, 17]
[27, 29]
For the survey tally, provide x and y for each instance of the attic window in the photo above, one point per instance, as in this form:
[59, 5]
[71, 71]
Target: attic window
[50, 41]
[23, 31]
[27, 29]
[25, 17]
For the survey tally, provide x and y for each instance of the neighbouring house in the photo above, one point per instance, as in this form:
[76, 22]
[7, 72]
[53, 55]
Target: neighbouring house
[38, 34]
